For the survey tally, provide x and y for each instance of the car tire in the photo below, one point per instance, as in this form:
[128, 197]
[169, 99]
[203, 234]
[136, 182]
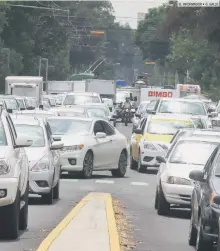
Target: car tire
[23, 217]
[192, 233]
[163, 206]
[9, 219]
[141, 168]
[56, 191]
[122, 166]
[156, 200]
[201, 243]
[88, 165]
[48, 198]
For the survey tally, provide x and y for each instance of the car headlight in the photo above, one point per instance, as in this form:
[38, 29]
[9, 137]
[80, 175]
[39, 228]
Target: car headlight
[42, 165]
[72, 148]
[150, 147]
[178, 181]
[4, 167]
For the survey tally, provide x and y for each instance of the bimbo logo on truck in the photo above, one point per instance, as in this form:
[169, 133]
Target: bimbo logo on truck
[160, 94]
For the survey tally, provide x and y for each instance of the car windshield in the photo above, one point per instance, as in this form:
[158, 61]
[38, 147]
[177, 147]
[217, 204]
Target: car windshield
[3, 140]
[97, 113]
[142, 107]
[20, 103]
[68, 126]
[11, 104]
[80, 99]
[182, 107]
[186, 152]
[30, 102]
[167, 127]
[35, 132]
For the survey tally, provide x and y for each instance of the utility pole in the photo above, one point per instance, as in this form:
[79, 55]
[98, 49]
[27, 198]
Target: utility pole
[40, 63]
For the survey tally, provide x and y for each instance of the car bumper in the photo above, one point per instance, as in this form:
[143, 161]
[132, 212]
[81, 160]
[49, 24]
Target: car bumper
[177, 194]
[40, 182]
[67, 160]
[148, 158]
[10, 186]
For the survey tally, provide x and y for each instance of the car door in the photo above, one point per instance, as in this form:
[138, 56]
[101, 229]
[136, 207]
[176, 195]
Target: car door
[199, 189]
[102, 158]
[54, 154]
[20, 156]
[117, 144]
[136, 139]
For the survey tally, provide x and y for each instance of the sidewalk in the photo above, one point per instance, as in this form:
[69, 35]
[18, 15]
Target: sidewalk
[90, 226]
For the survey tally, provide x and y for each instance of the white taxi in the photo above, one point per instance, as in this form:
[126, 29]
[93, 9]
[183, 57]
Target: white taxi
[152, 139]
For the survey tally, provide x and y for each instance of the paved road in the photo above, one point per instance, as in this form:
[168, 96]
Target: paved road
[136, 191]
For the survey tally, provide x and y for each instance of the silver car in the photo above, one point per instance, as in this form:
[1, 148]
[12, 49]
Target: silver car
[43, 156]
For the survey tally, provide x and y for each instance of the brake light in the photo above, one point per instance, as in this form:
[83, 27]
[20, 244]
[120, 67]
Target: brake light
[211, 197]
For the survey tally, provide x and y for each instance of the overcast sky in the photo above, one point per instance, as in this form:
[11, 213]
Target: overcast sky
[126, 10]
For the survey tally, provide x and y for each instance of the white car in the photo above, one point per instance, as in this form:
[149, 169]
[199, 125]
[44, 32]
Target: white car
[174, 187]
[91, 144]
[43, 156]
[80, 98]
[74, 111]
[14, 175]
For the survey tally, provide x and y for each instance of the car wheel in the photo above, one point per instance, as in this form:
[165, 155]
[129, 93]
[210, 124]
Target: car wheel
[141, 168]
[48, 198]
[163, 206]
[88, 165]
[56, 191]
[23, 217]
[192, 232]
[156, 200]
[9, 219]
[201, 243]
[122, 166]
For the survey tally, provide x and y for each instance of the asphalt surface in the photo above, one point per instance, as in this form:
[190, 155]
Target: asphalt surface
[136, 192]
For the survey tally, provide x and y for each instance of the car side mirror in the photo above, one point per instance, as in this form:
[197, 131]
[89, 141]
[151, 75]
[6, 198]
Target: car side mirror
[23, 142]
[56, 146]
[41, 107]
[197, 175]
[9, 110]
[213, 115]
[216, 199]
[138, 131]
[56, 138]
[137, 115]
[112, 119]
[161, 159]
[114, 103]
[151, 111]
[100, 135]
[22, 109]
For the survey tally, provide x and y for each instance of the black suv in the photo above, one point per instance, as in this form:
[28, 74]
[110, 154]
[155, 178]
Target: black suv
[204, 223]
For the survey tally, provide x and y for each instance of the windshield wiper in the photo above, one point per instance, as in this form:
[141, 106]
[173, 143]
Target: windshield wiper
[178, 162]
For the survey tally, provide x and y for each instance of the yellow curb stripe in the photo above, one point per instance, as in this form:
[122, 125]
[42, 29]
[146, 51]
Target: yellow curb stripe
[112, 227]
[45, 245]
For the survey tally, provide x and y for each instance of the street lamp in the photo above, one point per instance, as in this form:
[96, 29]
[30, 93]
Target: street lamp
[46, 60]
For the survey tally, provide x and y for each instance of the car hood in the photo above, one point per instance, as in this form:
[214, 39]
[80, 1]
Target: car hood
[71, 140]
[182, 170]
[158, 137]
[35, 153]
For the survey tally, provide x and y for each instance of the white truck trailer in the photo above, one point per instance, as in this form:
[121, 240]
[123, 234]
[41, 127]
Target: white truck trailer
[59, 87]
[27, 86]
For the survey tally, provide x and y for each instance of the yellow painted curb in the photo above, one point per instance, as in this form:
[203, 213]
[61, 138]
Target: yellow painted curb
[112, 228]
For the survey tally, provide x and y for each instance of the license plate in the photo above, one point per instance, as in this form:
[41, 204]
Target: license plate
[216, 123]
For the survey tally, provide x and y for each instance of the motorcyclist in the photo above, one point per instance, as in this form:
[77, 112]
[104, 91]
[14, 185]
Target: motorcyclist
[127, 104]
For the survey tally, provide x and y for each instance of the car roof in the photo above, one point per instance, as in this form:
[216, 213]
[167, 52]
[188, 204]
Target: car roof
[68, 109]
[35, 112]
[73, 118]
[169, 117]
[26, 120]
[183, 100]
[202, 139]
[83, 93]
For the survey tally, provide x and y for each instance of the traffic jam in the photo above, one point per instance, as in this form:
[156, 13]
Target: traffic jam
[78, 129]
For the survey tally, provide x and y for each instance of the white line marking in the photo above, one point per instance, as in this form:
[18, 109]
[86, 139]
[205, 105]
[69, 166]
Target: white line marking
[139, 184]
[70, 180]
[105, 181]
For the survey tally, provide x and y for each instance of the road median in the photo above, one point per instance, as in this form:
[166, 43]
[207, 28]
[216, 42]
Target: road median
[91, 225]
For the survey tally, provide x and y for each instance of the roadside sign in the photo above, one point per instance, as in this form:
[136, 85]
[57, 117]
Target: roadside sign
[151, 63]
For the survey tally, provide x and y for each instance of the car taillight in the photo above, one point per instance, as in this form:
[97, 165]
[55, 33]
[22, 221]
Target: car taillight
[211, 197]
